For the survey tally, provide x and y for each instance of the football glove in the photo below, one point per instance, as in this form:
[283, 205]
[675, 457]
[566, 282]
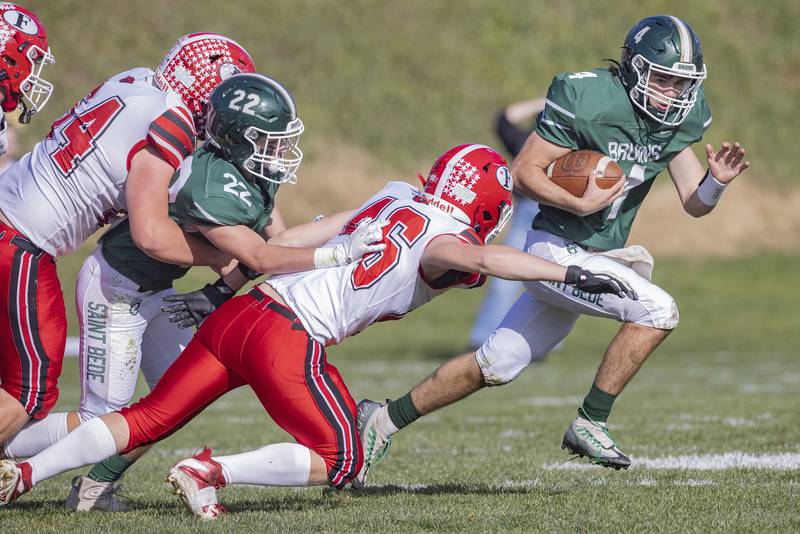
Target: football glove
[366, 239]
[598, 283]
[189, 309]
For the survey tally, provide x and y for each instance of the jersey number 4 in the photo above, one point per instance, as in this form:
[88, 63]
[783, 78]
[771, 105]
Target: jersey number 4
[78, 133]
[406, 226]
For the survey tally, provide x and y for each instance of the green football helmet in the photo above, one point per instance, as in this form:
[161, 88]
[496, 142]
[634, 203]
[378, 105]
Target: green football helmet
[667, 46]
[252, 120]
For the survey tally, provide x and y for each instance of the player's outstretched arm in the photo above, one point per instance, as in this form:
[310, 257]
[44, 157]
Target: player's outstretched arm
[151, 228]
[314, 233]
[700, 189]
[450, 253]
[530, 179]
[250, 249]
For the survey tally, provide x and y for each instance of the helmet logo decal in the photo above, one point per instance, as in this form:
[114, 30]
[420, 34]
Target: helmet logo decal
[640, 34]
[182, 74]
[21, 21]
[504, 177]
[460, 181]
[227, 70]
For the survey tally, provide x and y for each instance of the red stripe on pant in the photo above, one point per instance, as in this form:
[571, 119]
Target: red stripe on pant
[248, 341]
[33, 325]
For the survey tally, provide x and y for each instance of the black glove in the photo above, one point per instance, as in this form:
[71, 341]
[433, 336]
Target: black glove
[188, 309]
[598, 283]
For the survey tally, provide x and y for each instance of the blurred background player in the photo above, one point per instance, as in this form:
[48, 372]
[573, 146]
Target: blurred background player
[513, 128]
[645, 113]
[274, 337]
[113, 153]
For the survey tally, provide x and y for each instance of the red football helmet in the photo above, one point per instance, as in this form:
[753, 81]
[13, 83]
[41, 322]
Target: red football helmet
[472, 184]
[196, 64]
[23, 54]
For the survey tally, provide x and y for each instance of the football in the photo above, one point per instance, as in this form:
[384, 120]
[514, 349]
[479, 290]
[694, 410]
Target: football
[571, 172]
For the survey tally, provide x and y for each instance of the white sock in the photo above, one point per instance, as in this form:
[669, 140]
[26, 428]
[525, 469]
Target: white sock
[90, 443]
[280, 464]
[36, 436]
[383, 423]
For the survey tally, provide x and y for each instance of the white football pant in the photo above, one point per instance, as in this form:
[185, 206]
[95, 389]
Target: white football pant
[122, 330]
[544, 315]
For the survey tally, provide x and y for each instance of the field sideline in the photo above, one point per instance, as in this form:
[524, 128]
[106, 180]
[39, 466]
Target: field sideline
[722, 392]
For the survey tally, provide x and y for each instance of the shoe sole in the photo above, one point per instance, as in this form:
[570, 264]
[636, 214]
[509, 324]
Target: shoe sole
[8, 480]
[185, 491]
[596, 461]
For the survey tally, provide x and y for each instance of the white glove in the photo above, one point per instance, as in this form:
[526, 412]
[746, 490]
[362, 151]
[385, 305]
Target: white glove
[364, 240]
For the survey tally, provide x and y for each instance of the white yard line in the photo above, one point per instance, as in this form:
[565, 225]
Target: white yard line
[701, 462]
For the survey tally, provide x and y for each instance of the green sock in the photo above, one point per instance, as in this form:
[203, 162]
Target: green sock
[402, 411]
[597, 405]
[110, 469]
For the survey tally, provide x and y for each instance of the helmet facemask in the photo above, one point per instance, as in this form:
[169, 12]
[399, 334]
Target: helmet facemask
[506, 210]
[35, 91]
[276, 155]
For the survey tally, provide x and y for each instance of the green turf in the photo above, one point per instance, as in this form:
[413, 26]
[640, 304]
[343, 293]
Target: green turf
[727, 380]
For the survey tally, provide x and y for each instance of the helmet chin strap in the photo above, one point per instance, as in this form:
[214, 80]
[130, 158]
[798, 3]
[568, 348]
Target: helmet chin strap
[27, 114]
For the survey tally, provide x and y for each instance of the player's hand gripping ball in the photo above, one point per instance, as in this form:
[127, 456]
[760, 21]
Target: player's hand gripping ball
[571, 172]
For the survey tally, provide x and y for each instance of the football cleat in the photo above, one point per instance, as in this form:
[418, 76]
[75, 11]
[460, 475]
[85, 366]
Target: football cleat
[585, 437]
[374, 443]
[196, 480]
[87, 495]
[15, 479]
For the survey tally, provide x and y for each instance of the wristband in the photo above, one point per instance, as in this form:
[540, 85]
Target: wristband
[247, 272]
[710, 190]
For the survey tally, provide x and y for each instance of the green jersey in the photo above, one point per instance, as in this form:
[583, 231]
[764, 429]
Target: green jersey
[207, 191]
[592, 110]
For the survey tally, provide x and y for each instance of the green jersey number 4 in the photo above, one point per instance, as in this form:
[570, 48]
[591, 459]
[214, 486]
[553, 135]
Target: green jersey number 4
[634, 178]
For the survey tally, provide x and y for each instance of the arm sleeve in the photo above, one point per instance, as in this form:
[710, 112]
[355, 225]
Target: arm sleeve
[172, 134]
[556, 122]
[510, 134]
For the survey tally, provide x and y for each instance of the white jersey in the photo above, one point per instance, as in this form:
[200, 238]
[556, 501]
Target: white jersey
[341, 301]
[73, 181]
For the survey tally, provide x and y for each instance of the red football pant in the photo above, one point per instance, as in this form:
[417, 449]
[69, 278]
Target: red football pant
[33, 323]
[253, 340]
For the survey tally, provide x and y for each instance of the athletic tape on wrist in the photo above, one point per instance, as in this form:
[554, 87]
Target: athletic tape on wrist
[710, 190]
[325, 257]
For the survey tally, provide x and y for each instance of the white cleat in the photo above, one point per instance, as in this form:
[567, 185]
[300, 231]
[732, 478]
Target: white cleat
[15, 479]
[196, 481]
[585, 437]
[87, 495]
[375, 444]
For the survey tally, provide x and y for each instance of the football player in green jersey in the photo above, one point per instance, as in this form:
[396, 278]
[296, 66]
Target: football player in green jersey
[645, 113]
[224, 193]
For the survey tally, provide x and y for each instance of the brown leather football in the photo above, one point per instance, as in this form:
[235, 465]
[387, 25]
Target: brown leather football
[571, 172]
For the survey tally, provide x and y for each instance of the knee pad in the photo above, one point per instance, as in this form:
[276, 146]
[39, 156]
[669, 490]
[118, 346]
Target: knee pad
[664, 314]
[503, 357]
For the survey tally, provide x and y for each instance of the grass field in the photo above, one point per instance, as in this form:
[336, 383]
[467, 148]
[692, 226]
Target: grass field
[721, 392]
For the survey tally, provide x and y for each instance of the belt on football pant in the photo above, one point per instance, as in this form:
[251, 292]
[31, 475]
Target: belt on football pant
[280, 309]
[19, 240]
